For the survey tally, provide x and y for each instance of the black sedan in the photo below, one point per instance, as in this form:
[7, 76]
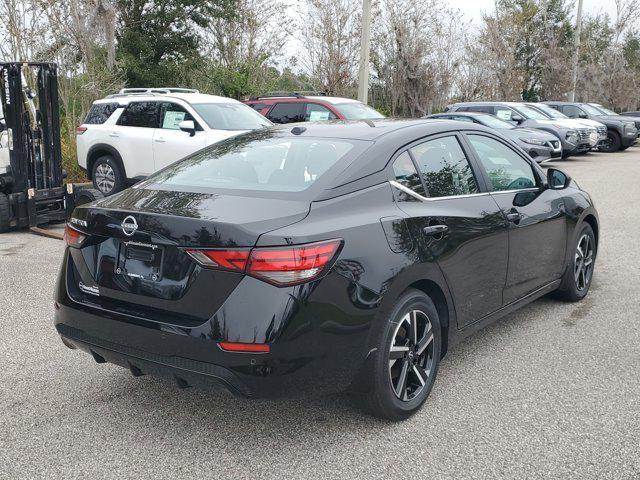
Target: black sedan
[321, 258]
[540, 145]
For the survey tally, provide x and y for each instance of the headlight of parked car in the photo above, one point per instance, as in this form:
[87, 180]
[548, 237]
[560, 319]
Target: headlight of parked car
[572, 136]
[533, 141]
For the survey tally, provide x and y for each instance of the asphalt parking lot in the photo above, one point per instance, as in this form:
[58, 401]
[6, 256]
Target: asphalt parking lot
[551, 391]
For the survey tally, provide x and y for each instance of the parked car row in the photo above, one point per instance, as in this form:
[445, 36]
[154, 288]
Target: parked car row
[132, 134]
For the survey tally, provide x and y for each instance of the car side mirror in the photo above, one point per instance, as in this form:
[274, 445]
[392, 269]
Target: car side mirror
[517, 118]
[3, 126]
[583, 115]
[188, 126]
[557, 180]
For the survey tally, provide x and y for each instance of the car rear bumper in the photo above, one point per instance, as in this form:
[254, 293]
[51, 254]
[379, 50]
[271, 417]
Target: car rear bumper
[315, 347]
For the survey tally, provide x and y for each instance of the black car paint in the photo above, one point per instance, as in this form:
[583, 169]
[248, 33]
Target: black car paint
[321, 333]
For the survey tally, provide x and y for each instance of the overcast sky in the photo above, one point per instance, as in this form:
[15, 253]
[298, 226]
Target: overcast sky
[473, 8]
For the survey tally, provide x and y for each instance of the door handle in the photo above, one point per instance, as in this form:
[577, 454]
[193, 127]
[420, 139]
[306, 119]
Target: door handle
[160, 140]
[114, 134]
[514, 217]
[435, 229]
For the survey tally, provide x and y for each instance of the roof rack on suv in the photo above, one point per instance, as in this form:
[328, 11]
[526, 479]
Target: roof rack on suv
[301, 94]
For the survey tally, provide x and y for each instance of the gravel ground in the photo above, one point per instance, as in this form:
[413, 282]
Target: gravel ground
[551, 391]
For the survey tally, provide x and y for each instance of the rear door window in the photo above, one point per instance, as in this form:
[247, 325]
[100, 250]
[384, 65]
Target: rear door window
[445, 168]
[287, 113]
[406, 174]
[140, 114]
[572, 111]
[506, 169]
[100, 113]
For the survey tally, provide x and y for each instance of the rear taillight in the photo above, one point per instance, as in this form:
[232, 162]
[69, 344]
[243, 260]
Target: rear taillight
[281, 266]
[80, 130]
[244, 347]
[73, 237]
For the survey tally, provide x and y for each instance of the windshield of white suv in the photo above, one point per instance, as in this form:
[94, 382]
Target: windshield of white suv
[531, 113]
[230, 116]
[591, 110]
[493, 122]
[357, 111]
[550, 111]
[261, 161]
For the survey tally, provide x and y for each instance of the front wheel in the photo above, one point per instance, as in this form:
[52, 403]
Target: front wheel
[407, 358]
[108, 177]
[612, 143]
[577, 278]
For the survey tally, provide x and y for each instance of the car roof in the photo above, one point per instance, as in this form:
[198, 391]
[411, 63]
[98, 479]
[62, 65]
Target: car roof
[463, 114]
[191, 98]
[301, 98]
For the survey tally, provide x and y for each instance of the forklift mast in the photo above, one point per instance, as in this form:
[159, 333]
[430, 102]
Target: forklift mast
[34, 183]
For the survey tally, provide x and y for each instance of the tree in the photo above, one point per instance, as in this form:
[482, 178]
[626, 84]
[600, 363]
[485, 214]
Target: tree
[158, 42]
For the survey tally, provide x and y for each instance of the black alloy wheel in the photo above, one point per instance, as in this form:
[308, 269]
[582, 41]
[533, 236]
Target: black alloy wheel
[579, 273]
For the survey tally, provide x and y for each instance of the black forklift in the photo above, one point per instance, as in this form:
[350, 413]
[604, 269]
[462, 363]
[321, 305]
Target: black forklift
[32, 188]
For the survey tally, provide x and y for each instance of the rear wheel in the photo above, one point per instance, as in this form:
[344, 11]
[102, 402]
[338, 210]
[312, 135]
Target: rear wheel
[88, 195]
[612, 143]
[407, 358]
[5, 213]
[577, 278]
[107, 176]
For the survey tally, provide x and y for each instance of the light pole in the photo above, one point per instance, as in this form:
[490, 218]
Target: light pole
[576, 57]
[365, 44]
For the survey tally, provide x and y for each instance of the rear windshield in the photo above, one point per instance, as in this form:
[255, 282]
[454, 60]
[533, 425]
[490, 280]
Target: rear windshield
[262, 161]
[100, 113]
[357, 111]
[230, 116]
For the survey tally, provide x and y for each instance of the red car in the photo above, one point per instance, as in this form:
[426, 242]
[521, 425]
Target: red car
[295, 107]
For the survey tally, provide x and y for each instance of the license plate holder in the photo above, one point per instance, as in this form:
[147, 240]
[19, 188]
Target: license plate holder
[140, 260]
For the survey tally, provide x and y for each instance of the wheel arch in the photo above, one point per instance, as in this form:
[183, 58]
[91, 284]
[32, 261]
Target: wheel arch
[100, 150]
[591, 219]
[437, 295]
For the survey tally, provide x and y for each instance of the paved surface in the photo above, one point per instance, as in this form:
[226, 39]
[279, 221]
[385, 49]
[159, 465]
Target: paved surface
[551, 391]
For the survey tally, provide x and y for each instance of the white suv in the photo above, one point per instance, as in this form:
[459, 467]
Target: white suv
[130, 135]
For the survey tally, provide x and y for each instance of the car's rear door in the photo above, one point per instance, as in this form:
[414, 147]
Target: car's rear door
[133, 137]
[287, 112]
[456, 223]
[535, 214]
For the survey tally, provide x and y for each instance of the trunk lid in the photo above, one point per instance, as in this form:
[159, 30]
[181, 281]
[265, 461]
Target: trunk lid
[134, 262]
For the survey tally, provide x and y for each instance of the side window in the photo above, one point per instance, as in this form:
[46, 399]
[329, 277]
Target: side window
[314, 112]
[287, 113]
[444, 168]
[406, 174]
[140, 114]
[257, 106]
[484, 109]
[506, 169]
[100, 113]
[171, 114]
[462, 119]
[504, 113]
[571, 111]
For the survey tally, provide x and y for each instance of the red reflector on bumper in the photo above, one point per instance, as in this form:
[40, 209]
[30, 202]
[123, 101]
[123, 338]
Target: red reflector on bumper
[244, 347]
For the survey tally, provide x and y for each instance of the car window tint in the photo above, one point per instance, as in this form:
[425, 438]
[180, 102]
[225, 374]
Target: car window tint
[571, 111]
[140, 114]
[287, 113]
[100, 113]
[444, 168]
[483, 108]
[314, 112]
[506, 169]
[171, 114]
[406, 174]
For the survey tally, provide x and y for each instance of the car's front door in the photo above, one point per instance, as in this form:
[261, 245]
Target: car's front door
[170, 144]
[536, 216]
[456, 224]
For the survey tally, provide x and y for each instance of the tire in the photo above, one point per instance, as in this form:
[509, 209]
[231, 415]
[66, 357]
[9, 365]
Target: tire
[107, 176]
[612, 143]
[5, 213]
[579, 273]
[88, 195]
[387, 398]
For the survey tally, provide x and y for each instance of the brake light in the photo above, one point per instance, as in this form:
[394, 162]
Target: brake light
[281, 266]
[292, 265]
[244, 347]
[80, 130]
[235, 260]
[73, 237]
